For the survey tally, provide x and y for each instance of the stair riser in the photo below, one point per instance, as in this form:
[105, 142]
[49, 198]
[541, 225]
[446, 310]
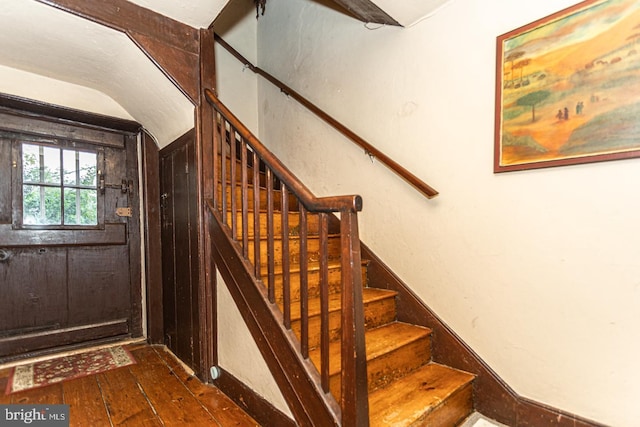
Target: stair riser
[432, 395]
[377, 313]
[451, 412]
[313, 250]
[388, 367]
[313, 280]
[293, 219]
[391, 366]
[293, 202]
[239, 173]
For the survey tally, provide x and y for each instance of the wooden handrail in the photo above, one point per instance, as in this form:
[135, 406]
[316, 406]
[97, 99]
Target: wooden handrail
[248, 180]
[311, 202]
[416, 182]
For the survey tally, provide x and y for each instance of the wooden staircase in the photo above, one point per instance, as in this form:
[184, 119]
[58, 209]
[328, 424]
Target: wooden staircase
[405, 388]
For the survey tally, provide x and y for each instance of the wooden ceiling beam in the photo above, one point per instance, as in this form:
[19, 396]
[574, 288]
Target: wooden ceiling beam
[367, 11]
[123, 16]
[172, 45]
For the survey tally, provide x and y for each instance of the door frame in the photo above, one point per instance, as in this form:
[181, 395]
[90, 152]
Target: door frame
[148, 282]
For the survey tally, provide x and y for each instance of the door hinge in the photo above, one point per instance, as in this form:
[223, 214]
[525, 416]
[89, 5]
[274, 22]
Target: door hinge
[126, 211]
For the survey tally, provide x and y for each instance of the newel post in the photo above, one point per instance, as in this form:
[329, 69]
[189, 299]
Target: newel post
[354, 392]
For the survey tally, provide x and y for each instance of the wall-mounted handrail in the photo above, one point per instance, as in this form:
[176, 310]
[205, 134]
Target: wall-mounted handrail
[416, 182]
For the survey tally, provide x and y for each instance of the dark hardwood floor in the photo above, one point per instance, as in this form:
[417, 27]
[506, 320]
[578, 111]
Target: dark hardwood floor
[157, 390]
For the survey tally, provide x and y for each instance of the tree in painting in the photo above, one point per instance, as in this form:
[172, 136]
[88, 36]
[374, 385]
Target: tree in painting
[532, 99]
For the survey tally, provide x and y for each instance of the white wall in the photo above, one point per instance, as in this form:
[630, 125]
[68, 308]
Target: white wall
[538, 271]
[236, 86]
[239, 355]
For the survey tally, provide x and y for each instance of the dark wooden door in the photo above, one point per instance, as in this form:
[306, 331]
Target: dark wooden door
[180, 274]
[69, 237]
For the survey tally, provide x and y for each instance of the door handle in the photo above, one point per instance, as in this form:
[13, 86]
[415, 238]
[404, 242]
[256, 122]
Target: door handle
[125, 186]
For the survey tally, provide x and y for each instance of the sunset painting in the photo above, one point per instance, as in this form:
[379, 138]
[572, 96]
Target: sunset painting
[569, 88]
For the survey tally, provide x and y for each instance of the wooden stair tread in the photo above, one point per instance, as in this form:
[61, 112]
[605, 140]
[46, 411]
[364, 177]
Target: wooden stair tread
[379, 341]
[394, 334]
[414, 397]
[368, 295]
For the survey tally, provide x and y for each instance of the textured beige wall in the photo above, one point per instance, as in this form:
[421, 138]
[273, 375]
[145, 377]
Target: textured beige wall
[238, 354]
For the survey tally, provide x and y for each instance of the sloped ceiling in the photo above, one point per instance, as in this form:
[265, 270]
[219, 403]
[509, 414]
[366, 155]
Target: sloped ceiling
[197, 13]
[409, 12]
[39, 38]
[201, 13]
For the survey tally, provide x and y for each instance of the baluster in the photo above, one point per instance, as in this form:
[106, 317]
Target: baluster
[216, 158]
[286, 262]
[256, 214]
[234, 196]
[304, 285]
[270, 243]
[324, 300]
[223, 171]
[245, 198]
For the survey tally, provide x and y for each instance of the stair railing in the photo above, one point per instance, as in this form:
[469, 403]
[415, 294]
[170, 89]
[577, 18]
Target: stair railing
[426, 190]
[247, 179]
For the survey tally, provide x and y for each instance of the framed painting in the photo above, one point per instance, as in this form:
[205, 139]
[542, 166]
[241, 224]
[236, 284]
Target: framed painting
[568, 88]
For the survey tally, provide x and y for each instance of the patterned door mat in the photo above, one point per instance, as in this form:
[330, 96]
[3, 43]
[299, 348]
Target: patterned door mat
[46, 372]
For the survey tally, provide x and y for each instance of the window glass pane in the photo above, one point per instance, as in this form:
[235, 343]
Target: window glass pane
[69, 167]
[41, 205]
[30, 204]
[79, 167]
[71, 209]
[89, 207]
[30, 163]
[50, 165]
[87, 163]
[80, 207]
